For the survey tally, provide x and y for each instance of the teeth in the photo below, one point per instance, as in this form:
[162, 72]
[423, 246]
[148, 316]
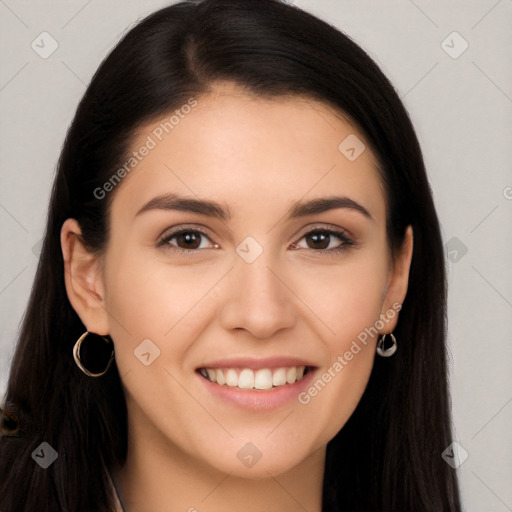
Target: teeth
[263, 378]
[219, 377]
[279, 377]
[291, 375]
[246, 379]
[231, 378]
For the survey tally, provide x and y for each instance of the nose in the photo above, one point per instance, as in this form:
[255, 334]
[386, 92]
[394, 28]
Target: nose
[258, 298]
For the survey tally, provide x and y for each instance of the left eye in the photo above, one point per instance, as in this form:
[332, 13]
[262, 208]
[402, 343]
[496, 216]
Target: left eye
[320, 236]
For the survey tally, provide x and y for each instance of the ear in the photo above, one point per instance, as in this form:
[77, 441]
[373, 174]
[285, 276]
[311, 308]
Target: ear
[83, 279]
[398, 281]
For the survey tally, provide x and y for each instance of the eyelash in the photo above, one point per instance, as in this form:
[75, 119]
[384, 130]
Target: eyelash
[345, 246]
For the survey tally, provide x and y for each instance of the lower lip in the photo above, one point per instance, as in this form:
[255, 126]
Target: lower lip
[258, 399]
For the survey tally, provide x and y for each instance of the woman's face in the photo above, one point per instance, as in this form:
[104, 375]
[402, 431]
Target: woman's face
[219, 266]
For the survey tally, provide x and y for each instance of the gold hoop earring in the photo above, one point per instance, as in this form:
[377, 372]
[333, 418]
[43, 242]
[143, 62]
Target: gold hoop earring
[386, 352]
[78, 358]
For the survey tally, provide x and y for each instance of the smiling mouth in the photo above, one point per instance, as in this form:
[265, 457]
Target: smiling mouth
[261, 379]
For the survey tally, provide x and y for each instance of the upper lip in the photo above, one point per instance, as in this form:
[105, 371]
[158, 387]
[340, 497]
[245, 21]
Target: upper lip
[257, 363]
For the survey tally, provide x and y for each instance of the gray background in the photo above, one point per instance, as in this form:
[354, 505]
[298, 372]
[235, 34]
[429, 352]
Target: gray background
[461, 108]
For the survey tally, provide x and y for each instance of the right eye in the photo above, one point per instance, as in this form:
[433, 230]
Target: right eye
[186, 237]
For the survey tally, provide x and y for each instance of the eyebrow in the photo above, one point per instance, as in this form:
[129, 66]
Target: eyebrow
[217, 210]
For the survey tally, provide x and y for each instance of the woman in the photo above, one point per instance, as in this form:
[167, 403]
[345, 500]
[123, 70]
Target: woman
[241, 295]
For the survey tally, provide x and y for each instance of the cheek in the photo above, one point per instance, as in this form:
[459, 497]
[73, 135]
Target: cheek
[148, 297]
[338, 386]
[345, 297]
[348, 302]
[144, 306]
[151, 306]
[345, 381]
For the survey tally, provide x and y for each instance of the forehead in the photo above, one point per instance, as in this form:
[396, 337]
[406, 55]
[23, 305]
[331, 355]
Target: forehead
[243, 150]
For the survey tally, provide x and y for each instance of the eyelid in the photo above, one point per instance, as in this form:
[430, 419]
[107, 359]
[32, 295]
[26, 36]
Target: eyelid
[320, 226]
[182, 227]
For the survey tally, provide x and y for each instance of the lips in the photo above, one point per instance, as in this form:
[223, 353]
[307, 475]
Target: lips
[247, 380]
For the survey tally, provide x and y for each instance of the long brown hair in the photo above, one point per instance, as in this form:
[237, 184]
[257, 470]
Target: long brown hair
[387, 457]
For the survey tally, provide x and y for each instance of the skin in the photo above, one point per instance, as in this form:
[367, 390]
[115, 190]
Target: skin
[256, 156]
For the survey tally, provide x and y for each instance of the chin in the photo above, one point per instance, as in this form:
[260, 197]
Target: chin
[252, 463]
